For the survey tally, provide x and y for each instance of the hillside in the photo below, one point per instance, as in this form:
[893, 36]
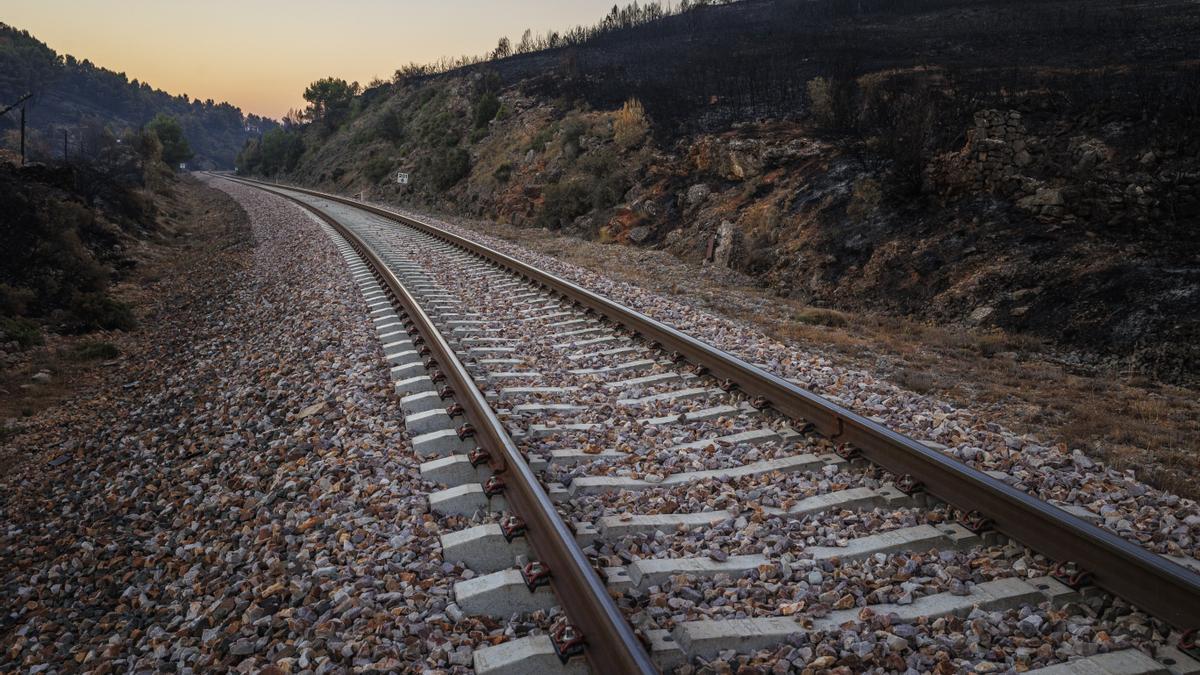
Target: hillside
[82, 98]
[1018, 166]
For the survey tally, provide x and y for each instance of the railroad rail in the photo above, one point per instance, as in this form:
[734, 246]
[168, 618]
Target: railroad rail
[611, 644]
[1088, 553]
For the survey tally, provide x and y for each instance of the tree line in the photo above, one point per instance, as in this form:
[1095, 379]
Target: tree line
[72, 94]
[619, 18]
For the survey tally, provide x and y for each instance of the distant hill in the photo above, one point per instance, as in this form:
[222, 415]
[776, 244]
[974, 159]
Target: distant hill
[79, 96]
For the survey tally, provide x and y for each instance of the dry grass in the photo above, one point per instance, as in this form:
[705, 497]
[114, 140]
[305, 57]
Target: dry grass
[1129, 422]
[818, 316]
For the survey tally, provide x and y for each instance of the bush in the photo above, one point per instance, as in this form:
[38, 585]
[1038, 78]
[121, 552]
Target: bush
[96, 310]
[440, 130]
[390, 127]
[175, 148]
[631, 125]
[820, 100]
[503, 172]
[563, 203]
[377, 168]
[608, 182]
[14, 300]
[918, 381]
[25, 332]
[832, 101]
[94, 351]
[449, 167]
[541, 138]
[607, 191]
[279, 150]
[485, 110]
[572, 130]
[819, 316]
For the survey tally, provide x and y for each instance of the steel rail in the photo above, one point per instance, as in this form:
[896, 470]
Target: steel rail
[610, 644]
[1150, 581]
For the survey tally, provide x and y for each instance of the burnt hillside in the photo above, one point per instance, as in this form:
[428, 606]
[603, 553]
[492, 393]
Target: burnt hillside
[1023, 167]
[748, 60]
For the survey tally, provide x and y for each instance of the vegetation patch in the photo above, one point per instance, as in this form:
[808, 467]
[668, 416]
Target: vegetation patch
[485, 109]
[564, 202]
[449, 167]
[820, 316]
[24, 332]
[99, 311]
[95, 351]
[631, 125]
[378, 167]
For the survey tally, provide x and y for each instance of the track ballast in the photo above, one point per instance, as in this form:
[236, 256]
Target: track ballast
[626, 479]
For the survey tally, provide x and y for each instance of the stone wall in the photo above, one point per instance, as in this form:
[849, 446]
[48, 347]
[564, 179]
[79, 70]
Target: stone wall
[997, 150]
[1064, 178]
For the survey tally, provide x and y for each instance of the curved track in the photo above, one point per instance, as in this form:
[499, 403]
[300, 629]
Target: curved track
[576, 431]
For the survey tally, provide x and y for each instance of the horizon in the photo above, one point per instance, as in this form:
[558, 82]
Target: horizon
[355, 44]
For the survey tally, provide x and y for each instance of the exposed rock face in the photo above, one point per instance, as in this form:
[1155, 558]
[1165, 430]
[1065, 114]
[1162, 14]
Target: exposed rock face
[697, 194]
[737, 159]
[1044, 198]
[726, 244]
[1061, 178]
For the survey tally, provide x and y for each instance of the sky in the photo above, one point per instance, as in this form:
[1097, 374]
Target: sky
[261, 54]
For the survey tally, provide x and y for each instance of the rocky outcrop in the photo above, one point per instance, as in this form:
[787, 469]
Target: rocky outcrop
[1060, 178]
[737, 159]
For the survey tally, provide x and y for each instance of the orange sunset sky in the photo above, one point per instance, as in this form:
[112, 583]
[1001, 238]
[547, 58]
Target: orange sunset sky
[260, 54]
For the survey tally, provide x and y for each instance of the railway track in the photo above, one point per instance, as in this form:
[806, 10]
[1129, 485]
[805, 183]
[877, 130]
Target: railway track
[648, 502]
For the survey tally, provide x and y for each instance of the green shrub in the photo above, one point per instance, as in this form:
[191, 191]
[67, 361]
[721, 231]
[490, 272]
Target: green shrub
[485, 109]
[503, 172]
[607, 191]
[478, 135]
[97, 310]
[440, 130]
[25, 332]
[563, 203]
[608, 181]
[541, 138]
[390, 127]
[425, 95]
[175, 148]
[94, 351]
[572, 130]
[377, 168]
[449, 167]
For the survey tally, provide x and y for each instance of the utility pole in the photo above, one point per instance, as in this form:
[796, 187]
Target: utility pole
[20, 102]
